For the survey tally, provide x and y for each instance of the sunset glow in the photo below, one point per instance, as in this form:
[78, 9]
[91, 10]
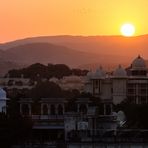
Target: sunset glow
[27, 18]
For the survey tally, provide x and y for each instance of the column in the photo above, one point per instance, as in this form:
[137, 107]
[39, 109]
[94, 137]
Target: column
[63, 109]
[21, 109]
[48, 109]
[56, 109]
[78, 106]
[41, 109]
[111, 108]
[87, 108]
[29, 105]
[104, 109]
[137, 102]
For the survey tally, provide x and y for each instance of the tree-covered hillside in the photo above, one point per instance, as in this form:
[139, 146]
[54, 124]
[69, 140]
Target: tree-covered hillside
[39, 70]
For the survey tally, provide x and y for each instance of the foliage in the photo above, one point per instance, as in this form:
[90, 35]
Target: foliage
[39, 70]
[13, 129]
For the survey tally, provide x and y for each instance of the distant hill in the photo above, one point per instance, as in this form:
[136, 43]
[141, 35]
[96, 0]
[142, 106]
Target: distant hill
[48, 53]
[75, 51]
[5, 66]
[44, 53]
[113, 45]
[6, 62]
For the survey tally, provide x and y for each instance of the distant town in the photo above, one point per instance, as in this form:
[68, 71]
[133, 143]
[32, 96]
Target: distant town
[55, 106]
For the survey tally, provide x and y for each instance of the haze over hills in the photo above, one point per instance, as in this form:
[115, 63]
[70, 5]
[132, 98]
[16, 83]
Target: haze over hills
[75, 51]
[116, 45]
[48, 53]
[44, 53]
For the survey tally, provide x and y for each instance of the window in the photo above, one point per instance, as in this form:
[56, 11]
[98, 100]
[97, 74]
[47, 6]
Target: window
[52, 110]
[60, 110]
[83, 108]
[45, 109]
[25, 109]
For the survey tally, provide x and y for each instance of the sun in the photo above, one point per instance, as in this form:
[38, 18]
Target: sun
[127, 30]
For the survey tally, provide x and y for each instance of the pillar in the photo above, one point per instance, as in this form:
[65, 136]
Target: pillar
[104, 109]
[111, 108]
[41, 109]
[20, 108]
[63, 109]
[48, 109]
[78, 106]
[56, 109]
[30, 112]
[87, 108]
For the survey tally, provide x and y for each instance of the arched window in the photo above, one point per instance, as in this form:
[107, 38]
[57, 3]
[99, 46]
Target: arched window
[25, 109]
[45, 109]
[108, 109]
[52, 110]
[19, 83]
[83, 108]
[10, 82]
[60, 109]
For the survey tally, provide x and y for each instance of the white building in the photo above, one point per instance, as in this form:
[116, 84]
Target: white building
[16, 83]
[130, 84]
[70, 82]
[3, 101]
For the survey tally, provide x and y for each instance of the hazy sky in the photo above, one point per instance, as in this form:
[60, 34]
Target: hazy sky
[26, 18]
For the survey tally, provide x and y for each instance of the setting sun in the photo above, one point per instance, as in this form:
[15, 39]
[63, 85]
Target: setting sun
[127, 30]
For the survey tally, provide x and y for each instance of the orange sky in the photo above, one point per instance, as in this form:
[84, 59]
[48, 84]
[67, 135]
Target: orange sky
[26, 18]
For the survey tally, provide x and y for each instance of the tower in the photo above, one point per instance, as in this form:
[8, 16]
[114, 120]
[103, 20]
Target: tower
[119, 85]
[138, 67]
[3, 101]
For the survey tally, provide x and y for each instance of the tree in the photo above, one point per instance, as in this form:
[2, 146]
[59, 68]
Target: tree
[45, 90]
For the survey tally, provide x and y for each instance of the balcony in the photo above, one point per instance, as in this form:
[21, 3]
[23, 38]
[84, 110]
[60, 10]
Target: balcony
[47, 117]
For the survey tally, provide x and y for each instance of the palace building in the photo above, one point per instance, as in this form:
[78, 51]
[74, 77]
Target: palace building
[93, 115]
[122, 84]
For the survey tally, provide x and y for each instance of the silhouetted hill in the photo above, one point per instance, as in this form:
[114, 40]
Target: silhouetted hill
[7, 65]
[45, 53]
[48, 53]
[76, 51]
[113, 45]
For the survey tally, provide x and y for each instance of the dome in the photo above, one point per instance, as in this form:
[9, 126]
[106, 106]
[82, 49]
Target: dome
[53, 79]
[120, 72]
[138, 63]
[89, 75]
[100, 73]
[2, 94]
[72, 79]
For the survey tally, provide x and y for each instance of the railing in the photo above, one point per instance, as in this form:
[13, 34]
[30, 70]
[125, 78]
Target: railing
[46, 117]
[100, 135]
[18, 87]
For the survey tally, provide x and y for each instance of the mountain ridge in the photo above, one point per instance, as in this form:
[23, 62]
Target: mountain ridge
[75, 51]
[68, 38]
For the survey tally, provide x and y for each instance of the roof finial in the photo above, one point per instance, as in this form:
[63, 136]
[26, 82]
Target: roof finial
[101, 67]
[139, 56]
[120, 66]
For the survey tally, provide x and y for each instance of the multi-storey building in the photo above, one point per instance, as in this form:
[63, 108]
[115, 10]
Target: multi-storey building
[19, 83]
[94, 116]
[123, 84]
[70, 82]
